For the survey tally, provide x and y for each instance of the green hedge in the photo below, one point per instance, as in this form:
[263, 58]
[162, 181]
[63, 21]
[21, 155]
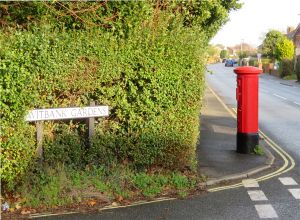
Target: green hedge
[253, 62]
[287, 67]
[298, 68]
[145, 60]
[153, 87]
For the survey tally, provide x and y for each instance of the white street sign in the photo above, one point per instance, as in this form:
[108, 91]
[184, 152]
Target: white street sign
[66, 113]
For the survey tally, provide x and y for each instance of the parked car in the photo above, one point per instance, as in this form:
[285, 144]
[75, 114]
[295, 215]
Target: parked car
[229, 62]
[235, 62]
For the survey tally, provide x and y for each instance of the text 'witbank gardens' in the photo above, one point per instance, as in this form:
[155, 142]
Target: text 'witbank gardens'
[66, 113]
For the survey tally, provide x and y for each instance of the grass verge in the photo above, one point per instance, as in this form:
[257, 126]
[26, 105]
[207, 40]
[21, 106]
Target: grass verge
[63, 188]
[290, 77]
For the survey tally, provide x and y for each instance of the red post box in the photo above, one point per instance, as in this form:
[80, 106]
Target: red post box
[247, 108]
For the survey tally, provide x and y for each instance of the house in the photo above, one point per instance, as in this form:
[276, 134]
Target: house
[250, 50]
[294, 35]
[231, 52]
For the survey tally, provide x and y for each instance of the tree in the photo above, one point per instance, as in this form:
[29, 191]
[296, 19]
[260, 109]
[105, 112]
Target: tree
[223, 54]
[270, 41]
[284, 49]
[243, 54]
[213, 53]
[206, 14]
[118, 17]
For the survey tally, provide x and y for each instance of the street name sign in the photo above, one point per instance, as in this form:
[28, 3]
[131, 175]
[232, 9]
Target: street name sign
[40, 115]
[66, 113]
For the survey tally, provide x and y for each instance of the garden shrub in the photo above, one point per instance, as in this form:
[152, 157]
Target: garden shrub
[253, 62]
[17, 153]
[298, 68]
[65, 145]
[287, 67]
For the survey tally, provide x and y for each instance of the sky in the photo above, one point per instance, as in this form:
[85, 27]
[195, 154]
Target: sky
[256, 17]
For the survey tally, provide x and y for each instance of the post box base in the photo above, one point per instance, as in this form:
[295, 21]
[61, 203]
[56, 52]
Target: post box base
[246, 142]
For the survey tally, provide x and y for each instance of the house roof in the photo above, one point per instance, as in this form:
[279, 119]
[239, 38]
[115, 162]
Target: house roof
[292, 34]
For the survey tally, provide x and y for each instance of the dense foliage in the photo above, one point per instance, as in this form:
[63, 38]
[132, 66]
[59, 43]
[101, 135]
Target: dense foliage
[298, 68]
[285, 49]
[223, 54]
[269, 44]
[277, 46]
[287, 67]
[143, 59]
[213, 54]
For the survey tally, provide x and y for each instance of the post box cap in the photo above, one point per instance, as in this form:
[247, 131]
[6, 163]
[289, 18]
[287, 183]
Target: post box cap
[247, 70]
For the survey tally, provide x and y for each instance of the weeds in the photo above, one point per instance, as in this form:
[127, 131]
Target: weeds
[59, 186]
[258, 150]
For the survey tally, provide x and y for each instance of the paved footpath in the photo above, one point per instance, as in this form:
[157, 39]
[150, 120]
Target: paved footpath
[217, 149]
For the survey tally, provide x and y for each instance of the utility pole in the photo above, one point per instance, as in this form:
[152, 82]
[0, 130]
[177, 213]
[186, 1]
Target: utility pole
[241, 53]
[242, 41]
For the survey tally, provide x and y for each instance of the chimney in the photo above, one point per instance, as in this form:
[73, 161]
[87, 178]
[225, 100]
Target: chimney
[289, 29]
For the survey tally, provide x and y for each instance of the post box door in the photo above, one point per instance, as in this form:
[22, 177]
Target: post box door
[239, 102]
[239, 92]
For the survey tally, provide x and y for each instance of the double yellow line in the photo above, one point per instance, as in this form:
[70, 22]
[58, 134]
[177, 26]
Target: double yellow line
[288, 164]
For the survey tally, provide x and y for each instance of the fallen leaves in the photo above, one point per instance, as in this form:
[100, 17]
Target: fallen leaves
[114, 204]
[92, 202]
[120, 198]
[25, 212]
[18, 206]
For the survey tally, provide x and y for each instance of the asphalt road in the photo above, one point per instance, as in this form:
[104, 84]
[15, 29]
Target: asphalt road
[279, 105]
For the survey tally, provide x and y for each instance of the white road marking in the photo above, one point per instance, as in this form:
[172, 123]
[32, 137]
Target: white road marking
[296, 103]
[288, 181]
[279, 96]
[257, 195]
[248, 183]
[266, 211]
[295, 193]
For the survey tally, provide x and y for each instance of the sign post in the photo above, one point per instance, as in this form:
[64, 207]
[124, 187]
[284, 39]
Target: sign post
[40, 115]
[39, 139]
[91, 124]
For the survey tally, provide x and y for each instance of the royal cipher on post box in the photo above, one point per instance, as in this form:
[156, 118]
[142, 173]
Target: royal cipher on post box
[247, 108]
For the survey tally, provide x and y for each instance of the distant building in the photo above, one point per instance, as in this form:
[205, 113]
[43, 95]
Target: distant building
[231, 52]
[294, 35]
[250, 50]
[234, 51]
